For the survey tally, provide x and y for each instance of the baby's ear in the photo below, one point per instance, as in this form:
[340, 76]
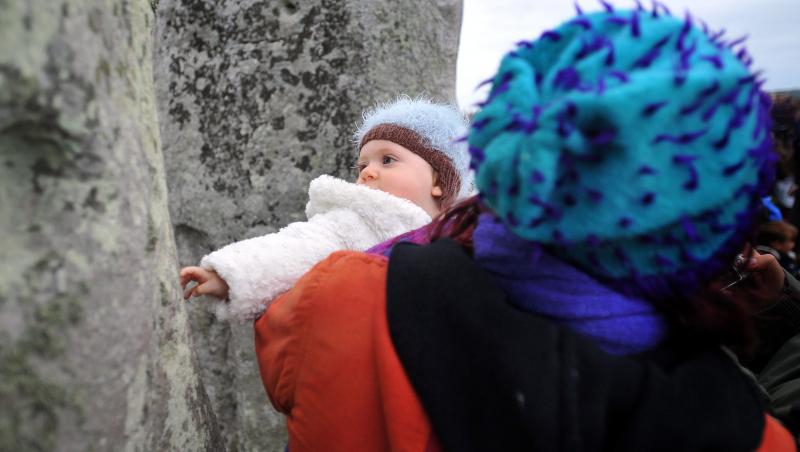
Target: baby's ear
[436, 191]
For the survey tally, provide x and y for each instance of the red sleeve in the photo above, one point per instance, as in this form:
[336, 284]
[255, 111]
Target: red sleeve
[327, 362]
[776, 438]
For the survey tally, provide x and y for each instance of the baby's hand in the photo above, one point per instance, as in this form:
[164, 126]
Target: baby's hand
[208, 283]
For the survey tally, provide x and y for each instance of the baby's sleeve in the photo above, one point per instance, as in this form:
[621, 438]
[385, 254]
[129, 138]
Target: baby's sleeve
[259, 269]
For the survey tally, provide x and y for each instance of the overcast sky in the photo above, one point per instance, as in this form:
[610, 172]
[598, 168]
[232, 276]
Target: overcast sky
[491, 27]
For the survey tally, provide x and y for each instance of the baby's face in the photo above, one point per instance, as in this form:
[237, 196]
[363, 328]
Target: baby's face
[389, 167]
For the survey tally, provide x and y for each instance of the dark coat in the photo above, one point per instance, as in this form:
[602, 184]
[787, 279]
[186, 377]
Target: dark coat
[492, 377]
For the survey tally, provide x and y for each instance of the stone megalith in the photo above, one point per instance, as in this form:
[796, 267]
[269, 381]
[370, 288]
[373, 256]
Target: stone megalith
[94, 345]
[255, 99]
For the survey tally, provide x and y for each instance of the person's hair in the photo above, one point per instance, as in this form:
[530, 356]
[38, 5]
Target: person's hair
[707, 315]
[458, 222]
[775, 231]
[785, 113]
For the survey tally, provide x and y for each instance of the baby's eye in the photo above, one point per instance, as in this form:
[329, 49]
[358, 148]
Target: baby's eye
[387, 159]
[359, 167]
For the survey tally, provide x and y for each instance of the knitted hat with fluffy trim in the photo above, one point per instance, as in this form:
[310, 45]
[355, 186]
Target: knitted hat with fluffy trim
[632, 143]
[433, 131]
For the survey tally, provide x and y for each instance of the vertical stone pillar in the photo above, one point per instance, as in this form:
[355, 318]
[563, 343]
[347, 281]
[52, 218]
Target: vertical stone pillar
[94, 347]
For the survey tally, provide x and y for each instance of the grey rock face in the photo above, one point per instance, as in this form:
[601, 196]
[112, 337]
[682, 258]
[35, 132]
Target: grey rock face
[94, 345]
[255, 99]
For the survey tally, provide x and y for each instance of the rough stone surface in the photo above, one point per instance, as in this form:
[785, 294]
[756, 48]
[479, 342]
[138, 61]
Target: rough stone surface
[94, 347]
[256, 98]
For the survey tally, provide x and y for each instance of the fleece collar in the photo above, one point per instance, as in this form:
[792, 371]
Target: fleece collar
[328, 193]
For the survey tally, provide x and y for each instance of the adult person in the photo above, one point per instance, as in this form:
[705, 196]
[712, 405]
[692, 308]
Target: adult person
[777, 359]
[621, 159]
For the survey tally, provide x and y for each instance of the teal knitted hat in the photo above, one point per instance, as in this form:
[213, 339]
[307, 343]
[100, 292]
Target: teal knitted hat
[633, 143]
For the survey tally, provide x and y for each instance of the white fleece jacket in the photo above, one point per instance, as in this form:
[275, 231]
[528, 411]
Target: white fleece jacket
[341, 216]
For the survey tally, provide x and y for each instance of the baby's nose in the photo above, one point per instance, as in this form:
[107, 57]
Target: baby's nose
[369, 172]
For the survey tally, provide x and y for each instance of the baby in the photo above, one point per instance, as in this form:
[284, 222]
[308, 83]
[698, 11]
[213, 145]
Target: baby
[410, 167]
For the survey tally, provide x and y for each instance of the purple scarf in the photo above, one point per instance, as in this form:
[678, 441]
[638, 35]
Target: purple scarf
[539, 283]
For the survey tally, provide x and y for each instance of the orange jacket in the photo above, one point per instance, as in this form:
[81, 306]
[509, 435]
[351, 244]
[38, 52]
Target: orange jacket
[328, 363]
